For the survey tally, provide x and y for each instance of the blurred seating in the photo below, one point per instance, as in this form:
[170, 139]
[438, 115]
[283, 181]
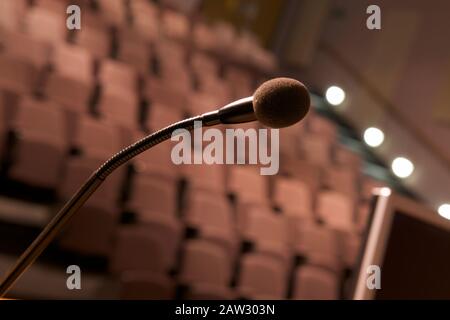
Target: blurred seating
[138, 249]
[40, 145]
[212, 218]
[94, 38]
[145, 19]
[94, 142]
[204, 177]
[262, 277]
[335, 210]
[205, 264]
[134, 51]
[12, 13]
[319, 245]
[313, 283]
[175, 25]
[247, 185]
[141, 285]
[22, 46]
[71, 84]
[265, 230]
[47, 22]
[201, 231]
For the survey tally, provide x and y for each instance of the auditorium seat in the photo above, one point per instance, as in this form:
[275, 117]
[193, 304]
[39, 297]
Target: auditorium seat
[204, 263]
[153, 201]
[247, 185]
[204, 177]
[363, 215]
[94, 142]
[241, 82]
[289, 141]
[116, 74]
[113, 11]
[22, 46]
[321, 126]
[145, 19]
[315, 148]
[40, 145]
[293, 197]
[119, 105]
[203, 64]
[136, 248]
[345, 157]
[12, 13]
[318, 244]
[134, 51]
[306, 172]
[160, 116]
[209, 292]
[205, 37]
[314, 283]
[265, 230]
[46, 23]
[172, 64]
[342, 179]
[166, 94]
[261, 275]
[18, 75]
[212, 217]
[155, 162]
[93, 37]
[92, 229]
[263, 60]
[201, 102]
[153, 195]
[335, 209]
[142, 284]
[71, 82]
[349, 248]
[175, 25]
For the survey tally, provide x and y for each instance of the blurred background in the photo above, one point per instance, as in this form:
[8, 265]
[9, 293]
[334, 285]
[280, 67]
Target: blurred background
[69, 99]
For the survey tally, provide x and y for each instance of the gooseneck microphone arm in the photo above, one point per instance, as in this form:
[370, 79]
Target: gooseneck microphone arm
[277, 103]
[89, 187]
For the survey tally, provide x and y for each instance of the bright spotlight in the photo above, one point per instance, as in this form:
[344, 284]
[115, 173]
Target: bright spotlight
[402, 167]
[374, 137]
[444, 211]
[335, 95]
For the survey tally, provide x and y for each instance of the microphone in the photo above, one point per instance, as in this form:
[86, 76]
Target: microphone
[277, 103]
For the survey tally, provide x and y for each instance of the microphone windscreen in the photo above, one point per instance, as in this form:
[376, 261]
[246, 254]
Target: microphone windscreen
[281, 102]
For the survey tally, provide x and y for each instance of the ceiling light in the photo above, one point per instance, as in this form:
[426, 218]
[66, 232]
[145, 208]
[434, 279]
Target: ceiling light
[335, 95]
[402, 167]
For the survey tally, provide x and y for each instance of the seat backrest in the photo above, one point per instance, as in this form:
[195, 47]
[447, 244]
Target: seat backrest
[205, 209]
[74, 62]
[262, 226]
[40, 119]
[335, 209]
[261, 275]
[205, 263]
[96, 137]
[293, 197]
[247, 184]
[315, 283]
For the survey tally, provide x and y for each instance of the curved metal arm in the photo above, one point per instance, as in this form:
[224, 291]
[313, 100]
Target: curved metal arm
[88, 188]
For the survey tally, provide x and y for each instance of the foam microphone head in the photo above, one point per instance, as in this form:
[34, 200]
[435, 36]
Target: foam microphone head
[281, 102]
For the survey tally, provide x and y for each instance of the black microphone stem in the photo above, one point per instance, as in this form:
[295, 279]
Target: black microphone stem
[89, 187]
